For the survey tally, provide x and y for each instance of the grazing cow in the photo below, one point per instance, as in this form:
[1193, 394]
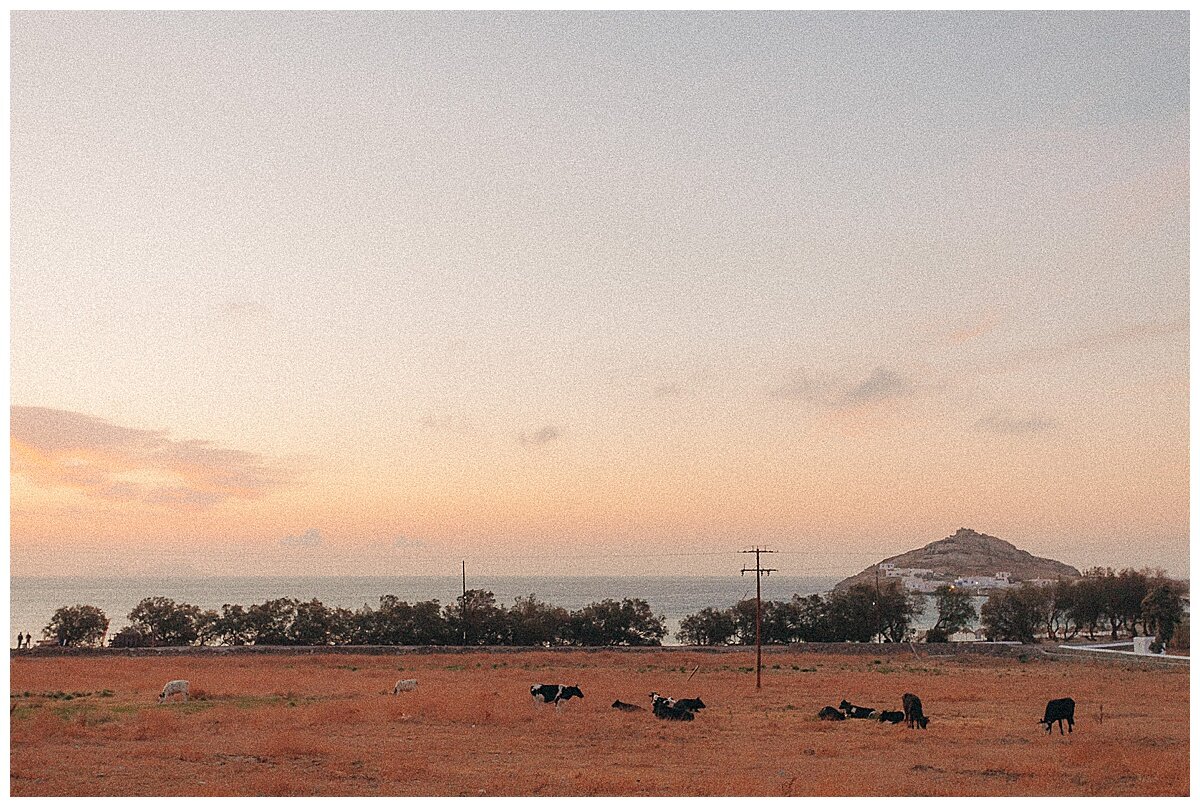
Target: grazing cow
[857, 712]
[913, 715]
[174, 688]
[891, 717]
[665, 709]
[691, 704]
[829, 713]
[1060, 709]
[554, 693]
[627, 707]
[404, 685]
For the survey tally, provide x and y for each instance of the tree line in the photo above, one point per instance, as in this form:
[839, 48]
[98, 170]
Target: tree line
[1125, 603]
[474, 619]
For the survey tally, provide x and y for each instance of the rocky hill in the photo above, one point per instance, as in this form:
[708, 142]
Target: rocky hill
[969, 553]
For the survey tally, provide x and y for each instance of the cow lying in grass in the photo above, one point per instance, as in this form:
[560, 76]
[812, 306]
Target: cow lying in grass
[829, 713]
[857, 712]
[891, 717]
[666, 709]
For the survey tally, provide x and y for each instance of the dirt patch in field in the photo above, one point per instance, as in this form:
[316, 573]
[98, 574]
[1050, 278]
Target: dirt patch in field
[304, 724]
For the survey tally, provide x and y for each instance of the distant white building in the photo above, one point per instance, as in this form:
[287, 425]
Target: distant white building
[921, 584]
[979, 581]
[967, 636]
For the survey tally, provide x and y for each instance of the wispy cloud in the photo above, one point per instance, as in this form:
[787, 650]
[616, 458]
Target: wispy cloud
[881, 384]
[1001, 423]
[975, 328]
[308, 538]
[407, 542]
[1086, 344]
[55, 448]
[546, 434]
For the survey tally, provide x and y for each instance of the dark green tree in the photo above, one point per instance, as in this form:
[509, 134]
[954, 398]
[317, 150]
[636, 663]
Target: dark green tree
[533, 623]
[612, 623]
[166, 622]
[709, 626]
[1014, 614]
[1162, 609]
[77, 626]
[955, 612]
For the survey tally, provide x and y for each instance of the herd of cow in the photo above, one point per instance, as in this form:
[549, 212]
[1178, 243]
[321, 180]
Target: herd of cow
[913, 716]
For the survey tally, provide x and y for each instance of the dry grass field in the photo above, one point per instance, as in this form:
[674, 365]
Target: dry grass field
[323, 725]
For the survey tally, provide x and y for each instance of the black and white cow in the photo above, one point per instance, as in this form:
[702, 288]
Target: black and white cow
[1059, 709]
[891, 717]
[665, 709]
[829, 713]
[857, 712]
[554, 693]
[913, 714]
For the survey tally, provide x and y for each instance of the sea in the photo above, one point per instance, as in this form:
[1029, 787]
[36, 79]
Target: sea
[35, 599]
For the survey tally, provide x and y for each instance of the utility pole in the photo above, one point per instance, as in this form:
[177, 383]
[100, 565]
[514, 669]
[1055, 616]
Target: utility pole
[464, 602]
[759, 571]
[878, 621]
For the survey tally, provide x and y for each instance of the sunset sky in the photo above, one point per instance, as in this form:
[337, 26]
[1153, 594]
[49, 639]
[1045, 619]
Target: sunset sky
[579, 293]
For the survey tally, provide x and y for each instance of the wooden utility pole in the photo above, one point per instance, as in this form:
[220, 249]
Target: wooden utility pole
[878, 620]
[464, 602]
[759, 571]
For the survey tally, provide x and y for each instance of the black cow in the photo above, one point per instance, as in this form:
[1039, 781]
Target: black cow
[857, 712]
[829, 713]
[554, 693]
[1060, 709]
[665, 709]
[691, 704]
[627, 707]
[913, 715]
[891, 717]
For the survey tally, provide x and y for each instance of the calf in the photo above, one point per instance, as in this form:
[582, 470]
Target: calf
[554, 693]
[627, 707]
[1060, 709]
[665, 709]
[891, 717]
[178, 687]
[829, 713]
[913, 715]
[857, 712]
[691, 704]
[404, 685]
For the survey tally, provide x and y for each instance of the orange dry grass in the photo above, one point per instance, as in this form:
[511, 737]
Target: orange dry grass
[325, 725]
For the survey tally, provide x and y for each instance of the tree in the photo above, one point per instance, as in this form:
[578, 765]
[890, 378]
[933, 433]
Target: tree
[955, 612]
[270, 623]
[312, 624]
[166, 622]
[476, 619]
[611, 623]
[896, 611]
[709, 626]
[1162, 609]
[533, 623]
[1014, 614]
[77, 626]
[852, 614]
[232, 626]
[206, 627]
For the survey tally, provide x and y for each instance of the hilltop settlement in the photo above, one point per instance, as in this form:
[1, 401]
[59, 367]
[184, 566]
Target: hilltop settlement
[967, 559]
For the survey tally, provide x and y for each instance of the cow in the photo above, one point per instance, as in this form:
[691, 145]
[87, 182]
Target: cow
[891, 717]
[1059, 709]
[554, 693]
[178, 687]
[627, 707]
[829, 713]
[913, 715]
[857, 712]
[665, 709]
[404, 685]
[691, 704]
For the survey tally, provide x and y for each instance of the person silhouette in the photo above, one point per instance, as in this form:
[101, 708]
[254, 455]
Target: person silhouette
[20, 639]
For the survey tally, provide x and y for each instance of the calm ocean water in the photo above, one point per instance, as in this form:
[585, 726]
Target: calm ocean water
[34, 600]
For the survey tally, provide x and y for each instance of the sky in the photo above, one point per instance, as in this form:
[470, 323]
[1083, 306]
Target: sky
[595, 293]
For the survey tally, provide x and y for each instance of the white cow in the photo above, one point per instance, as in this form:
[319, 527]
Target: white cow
[404, 685]
[174, 688]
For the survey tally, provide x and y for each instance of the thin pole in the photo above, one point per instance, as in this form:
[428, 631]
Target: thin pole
[759, 571]
[464, 602]
[878, 626]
